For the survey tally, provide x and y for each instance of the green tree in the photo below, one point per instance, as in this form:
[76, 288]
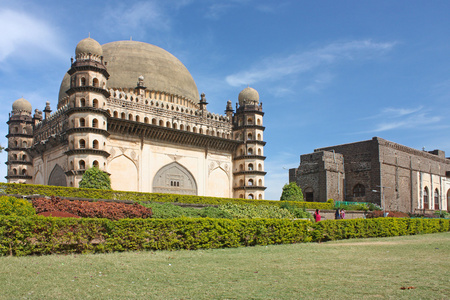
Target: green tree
[94, 178]
[291, 192]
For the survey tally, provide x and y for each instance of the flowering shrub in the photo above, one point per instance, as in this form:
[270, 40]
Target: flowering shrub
[100, 209]
[16, 207]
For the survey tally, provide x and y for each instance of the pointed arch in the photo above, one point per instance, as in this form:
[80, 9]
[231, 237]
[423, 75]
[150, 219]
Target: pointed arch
[124, 173]
[57, 176]
[218, 183]
[174, 178]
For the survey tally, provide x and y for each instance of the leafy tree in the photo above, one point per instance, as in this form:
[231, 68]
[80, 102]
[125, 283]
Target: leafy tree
[94, 178]
[291, 192]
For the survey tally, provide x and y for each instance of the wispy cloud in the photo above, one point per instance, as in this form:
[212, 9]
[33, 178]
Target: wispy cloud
[276, 68]
[25, 36]
[403, 118]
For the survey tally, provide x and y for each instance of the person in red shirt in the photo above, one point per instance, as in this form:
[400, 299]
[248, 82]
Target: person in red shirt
[317, 216]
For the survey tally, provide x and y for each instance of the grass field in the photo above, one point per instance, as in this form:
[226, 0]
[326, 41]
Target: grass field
[350, 269]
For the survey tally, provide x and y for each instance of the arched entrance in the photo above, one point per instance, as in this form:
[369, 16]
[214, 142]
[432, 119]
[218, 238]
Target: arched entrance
[57, 177]
[174, 179]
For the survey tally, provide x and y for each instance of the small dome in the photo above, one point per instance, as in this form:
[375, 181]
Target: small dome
[248, 94]
[87, 46]
[21, 105]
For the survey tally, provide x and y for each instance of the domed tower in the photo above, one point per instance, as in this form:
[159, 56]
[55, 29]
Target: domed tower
[248, 165]
[20, 139]
[87, 133]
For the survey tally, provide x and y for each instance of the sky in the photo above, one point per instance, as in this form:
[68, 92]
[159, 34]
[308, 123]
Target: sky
[327, 72]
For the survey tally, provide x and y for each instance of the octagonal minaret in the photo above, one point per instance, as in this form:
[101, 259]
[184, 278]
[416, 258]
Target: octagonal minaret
[88, 119]
[20, 139]
[248, 164]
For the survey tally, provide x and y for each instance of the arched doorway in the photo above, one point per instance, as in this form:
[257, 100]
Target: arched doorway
[57, 177]
[174, 179]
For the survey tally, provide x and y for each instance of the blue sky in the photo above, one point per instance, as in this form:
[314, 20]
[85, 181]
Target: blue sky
[328, 72]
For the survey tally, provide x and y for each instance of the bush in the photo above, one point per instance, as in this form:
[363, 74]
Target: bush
[45, 190]
[291, 192]
[94, 178]
[296, 211]
[12, 206]
[41, 235]
[252, 211]
[100, 209]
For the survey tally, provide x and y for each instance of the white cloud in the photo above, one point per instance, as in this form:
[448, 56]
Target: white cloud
[403, 118]
[24, 36]
[275, 68]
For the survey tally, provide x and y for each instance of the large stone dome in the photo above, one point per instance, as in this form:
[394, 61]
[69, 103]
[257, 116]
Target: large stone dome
[128, 60]
[21, 105]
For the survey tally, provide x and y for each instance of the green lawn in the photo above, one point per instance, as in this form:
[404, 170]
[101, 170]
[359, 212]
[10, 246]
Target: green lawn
[350, 269]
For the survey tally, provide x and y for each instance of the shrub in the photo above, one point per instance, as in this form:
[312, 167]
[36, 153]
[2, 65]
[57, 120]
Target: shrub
[291, 192]
[100, 209]
[12, 206]
[252, 211]
[94, 178]
[296, 211]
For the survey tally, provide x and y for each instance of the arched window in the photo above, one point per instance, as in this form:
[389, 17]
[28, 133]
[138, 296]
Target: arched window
[82, 144]
[260, 182]
[146, 120]
[95, 103]
[116, 114]
[83, 81]
[161, 123]
[123, 115]
[16, 144]
[95, 144]
[24, 144]
[249, 121]
[259, 137]
[241, 196]
[250, 182]
[241, 167]
[82, 122]
[241, 182]
[138, 119]
[250, 151]
[175, 126]
[14, 171]
[95, 164]
[250, 167]
[249, 136]
[250, 196]
[168, 124]
[181, 127]
[95, 82]
[82, 165]
[436, 199]
[130, 117]
[95, 123]
[194, 129]
[259, 123]
[359, 190]
[82, 102]
[24, 157]
[259, 151]
[200, 131]
[24, 130]
[24, 171]
[260, 197]
[425, 198]
[16, 129]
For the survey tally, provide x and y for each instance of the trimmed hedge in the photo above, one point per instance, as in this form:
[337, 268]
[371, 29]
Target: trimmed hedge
[48, 235]
[46, 190]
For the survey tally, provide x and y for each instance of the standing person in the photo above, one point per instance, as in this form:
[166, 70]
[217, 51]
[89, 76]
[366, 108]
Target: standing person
[342, 214]
[317, 216]
[337, 214]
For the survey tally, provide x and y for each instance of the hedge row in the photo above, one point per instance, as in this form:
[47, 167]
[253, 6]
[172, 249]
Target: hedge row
[46, 190]
[41, 235]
